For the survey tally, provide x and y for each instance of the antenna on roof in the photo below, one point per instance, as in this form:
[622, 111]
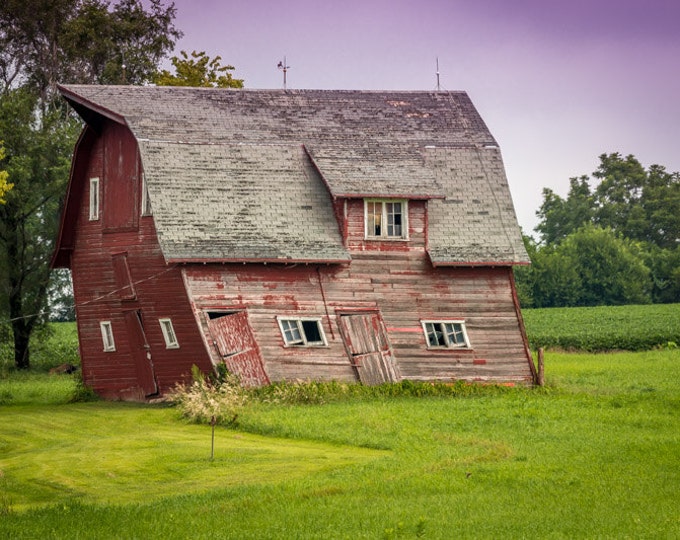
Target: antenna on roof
[284, 67]
[438, 86]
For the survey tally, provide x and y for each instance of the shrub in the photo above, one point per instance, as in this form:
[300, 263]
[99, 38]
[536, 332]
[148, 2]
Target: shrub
[217, 399]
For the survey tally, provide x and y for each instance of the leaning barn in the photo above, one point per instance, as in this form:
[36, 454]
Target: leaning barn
[293, 235]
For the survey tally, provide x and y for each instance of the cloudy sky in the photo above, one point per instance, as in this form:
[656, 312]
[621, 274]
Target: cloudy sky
[558, 82]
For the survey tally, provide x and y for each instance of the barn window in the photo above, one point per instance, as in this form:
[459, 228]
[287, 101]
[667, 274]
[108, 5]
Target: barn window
[169, 334]
[94, 199]
[107, 336]
[146, 202]
[302, 332]
[385, 219]
[446, 334]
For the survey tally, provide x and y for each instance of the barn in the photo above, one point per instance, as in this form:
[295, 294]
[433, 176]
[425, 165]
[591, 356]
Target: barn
[290, 234]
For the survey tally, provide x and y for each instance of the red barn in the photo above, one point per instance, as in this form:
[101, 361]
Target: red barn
[293, 235]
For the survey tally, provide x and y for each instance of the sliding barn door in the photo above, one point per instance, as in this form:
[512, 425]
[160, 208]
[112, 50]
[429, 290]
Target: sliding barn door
[365, 337]
[236, 344]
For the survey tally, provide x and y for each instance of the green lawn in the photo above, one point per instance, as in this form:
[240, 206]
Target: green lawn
[593, 455]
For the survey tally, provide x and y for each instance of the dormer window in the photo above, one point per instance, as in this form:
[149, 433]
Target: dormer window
[386, 219]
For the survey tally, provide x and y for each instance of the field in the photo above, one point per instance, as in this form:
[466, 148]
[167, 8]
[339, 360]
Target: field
[594, 454]
[629, 328]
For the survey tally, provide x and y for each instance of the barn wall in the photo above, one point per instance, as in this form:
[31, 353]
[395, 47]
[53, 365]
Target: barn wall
[99, 279]
[395, 277]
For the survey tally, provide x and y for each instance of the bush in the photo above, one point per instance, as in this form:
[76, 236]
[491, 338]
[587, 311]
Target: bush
[216, 400]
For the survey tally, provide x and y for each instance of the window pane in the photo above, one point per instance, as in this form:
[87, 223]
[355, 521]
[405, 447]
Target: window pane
[291, 332]
[312, 332]
[393, 219]
[454, 333]
[375, 218]
[94, 199]
[435, 335]
[169, 334]
[107, 336]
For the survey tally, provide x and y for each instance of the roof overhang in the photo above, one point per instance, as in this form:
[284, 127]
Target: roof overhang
[89, 111]
[258, 261]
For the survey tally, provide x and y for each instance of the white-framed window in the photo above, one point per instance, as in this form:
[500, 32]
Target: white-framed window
[169, 334]
[446, 334]
[107, 336]
[94, 199]
[146, 202]
[386, 218]
[302, 331]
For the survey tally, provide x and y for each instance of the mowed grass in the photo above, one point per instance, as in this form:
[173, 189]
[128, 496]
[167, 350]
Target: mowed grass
[593, 455]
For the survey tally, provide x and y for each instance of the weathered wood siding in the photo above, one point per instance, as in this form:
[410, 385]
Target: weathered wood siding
[395, 278]
[118, 269]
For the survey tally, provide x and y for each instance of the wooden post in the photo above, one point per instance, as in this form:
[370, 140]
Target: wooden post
[213, 421]
[541, 374]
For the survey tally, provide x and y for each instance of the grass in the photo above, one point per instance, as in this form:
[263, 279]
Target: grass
[631, 328]
[592, 455]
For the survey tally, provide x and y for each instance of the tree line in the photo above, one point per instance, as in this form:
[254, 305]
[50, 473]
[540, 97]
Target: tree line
[613, 240]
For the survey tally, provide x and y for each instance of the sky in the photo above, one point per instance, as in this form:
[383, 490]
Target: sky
[558, 83]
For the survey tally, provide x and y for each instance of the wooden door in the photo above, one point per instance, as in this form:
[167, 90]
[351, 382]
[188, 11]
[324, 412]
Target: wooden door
[141, 353]
[235, 342]
[365, 337]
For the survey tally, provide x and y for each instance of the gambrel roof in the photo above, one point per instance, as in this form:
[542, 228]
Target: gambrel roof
[249, 174]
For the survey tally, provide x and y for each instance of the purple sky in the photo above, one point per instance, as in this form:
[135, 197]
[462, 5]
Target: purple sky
[557, 82]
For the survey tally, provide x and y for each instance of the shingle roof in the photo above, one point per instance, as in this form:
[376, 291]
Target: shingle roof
[216, 161]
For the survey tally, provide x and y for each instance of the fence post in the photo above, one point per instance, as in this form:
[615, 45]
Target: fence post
[541, 372]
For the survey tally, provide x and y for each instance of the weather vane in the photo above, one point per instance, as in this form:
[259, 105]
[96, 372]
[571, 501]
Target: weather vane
[284, 67]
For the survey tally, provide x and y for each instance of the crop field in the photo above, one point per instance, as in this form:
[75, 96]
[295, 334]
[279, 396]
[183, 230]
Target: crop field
[605, 328]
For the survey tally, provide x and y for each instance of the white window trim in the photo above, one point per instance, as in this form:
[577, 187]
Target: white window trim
[169, 334]
[107, 336]
[94, 199]
[304, 342]
[448, 345]
[404, 219]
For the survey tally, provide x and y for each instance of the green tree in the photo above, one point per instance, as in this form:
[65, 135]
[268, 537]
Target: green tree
[37, 160]
[553, 279]
[610, 268]
[637, 203]
[560, 217]
[42, 43]
[199, 70]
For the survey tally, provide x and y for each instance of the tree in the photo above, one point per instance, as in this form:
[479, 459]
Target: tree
[640, 210]
[639, 204]
[590, 267]
[199, 70]
[37, 160]
[561, 217]
[43, 42]
[610, 268]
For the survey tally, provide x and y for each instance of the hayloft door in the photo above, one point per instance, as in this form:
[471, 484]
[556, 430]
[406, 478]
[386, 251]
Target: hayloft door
[235, 342]
[141, 353]
[365, 337]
